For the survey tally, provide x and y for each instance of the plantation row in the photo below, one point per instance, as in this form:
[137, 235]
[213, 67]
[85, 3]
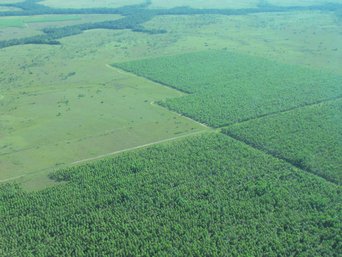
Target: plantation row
[309, 137]
[229, 87]
[204, 196]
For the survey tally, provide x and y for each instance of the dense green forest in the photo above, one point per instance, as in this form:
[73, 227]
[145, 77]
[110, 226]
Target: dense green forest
[227, 87]
[310, 137]
[204, 196]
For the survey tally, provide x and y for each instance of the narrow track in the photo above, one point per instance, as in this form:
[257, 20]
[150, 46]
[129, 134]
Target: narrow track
[98, 157]
[137, 147]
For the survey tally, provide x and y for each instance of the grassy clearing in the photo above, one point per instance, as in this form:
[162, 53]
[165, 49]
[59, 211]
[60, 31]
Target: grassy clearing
[17, 27]
[231, 4]
[310, 137]
[63, 104]
[11, 1]
[228, 88]
[204, 4]
[48, 128]
[207, 195]
[23, 21]
[300, 3]
[310, 39]
[89, 3]
[8, 9]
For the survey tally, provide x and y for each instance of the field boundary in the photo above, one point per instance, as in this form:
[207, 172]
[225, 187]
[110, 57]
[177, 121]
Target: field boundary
[181, 115]
[98, 157]
[278, 156]
[123, 71]
[10, 179]
[137, 147]
[283, 111]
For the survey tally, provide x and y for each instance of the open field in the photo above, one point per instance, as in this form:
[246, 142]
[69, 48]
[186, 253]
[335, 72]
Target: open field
[24, 21]
[26, 26]
[8, 9]
[309, 137]
[51, 117]
[301, 3]
[204, 4]
[89, 3]
[310, 38]
[209, 195]
[235, 87]
[11, 1]
[232, 4]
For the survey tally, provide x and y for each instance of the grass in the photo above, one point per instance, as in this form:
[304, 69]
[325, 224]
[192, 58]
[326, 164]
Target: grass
[231, 4]
[89, 3]
[11, 1]
[8, 9]
[51, 117]
[300, 3]
[310, 39]
[17, 27]
[309, 137]
[204, 4]
[23, 21]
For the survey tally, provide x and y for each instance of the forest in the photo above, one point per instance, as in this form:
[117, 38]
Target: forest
[240, 89]
[310, 137]
[203, 196]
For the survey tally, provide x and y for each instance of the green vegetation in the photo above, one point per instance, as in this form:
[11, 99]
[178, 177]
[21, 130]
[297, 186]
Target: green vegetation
[310, 137]
[269, 70]
[310, 39]
[89, 3]
[228, 87]
[79, 116]
[233, 4]
[204, 196]
[22, 21]
[16, 27]
[135, 16]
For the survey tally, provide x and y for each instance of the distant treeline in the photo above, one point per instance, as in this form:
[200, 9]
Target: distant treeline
[134, 17]
[51, 35]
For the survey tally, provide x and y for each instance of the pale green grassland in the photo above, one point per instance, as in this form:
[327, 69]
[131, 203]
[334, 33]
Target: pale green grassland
[61, 104]
[24, 21]
[312, 39]
[26, 26]
[89, 3]
[204, 4]
[8, 9]
[301, 2]
[10, 1]
[233, 4]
